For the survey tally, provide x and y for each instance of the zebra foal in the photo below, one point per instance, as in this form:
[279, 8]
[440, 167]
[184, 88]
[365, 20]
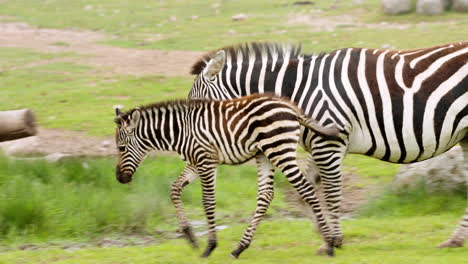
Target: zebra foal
[207, 133]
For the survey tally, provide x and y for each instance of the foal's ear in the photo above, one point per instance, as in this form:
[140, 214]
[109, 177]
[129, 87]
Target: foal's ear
[135, 117]
[118, 115]
[215, 65]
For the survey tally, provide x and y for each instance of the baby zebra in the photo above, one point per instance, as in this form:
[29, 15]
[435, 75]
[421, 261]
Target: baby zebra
[207, 133]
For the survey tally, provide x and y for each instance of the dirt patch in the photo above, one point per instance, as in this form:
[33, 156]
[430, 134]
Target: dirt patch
[354, 196]
[117, 60]
[58, 143]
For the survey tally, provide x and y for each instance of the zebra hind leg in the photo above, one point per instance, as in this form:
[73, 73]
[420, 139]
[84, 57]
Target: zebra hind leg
[459, 235]
[188, 175]
[264, 198]
[207, 174]
[287, 163]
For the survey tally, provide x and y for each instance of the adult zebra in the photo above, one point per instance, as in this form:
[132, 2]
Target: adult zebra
[206, 133]
[399, 106]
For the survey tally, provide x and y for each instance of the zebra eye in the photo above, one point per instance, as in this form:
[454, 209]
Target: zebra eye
[122, 148]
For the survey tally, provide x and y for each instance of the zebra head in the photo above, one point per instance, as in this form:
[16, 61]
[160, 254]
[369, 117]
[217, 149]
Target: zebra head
[207, 82]
[130, 151]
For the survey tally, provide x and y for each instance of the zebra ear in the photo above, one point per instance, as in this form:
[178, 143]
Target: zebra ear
[215, 65]
[133, 122]
[118, 115]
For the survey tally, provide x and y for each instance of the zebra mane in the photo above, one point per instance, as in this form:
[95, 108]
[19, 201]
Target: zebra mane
[272, 49]
[165, 104]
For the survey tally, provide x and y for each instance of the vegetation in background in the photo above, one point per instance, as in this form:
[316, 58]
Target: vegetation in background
[414, 201]
[207, 24]
[70, 96]
[82, 199]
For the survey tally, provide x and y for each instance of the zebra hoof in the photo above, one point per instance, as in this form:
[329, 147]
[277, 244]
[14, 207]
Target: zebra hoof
[235, 253]
[451, 243]
[322, 250]
[338, 242]
[188, 234]
[211, 246]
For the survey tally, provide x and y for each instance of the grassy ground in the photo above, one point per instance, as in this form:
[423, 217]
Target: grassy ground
[386, 240]
[206, 24]
[70, 96]
[55, 91]
[81, 198]
[80, 201]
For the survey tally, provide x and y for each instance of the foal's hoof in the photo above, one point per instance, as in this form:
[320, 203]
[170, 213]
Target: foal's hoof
[235, 253]
[322, 250]
[326, 249]
[209, 248]
[188, 234]
[451, 243]
[338, 242]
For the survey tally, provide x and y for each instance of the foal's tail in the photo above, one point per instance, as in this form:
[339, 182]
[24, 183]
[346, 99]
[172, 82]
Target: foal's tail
[330, 132]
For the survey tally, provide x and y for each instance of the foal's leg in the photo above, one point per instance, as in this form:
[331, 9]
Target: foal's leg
[287, 163]
[458, 237]
[207, 172]
[264, 198]
[188, 175]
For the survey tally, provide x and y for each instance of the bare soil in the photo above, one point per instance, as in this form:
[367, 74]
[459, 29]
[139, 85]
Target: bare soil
[113, 59]
[354, 196]
[58, 143]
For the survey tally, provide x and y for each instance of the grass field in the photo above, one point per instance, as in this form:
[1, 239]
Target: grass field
[148, 24]
[79, 201]
[56, 89]
[389, 240]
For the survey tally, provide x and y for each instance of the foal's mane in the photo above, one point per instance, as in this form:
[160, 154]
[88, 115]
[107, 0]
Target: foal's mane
[278, 50]
[165, 104]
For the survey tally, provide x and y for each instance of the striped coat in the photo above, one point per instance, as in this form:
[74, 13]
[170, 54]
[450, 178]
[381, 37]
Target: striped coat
[400, 106]
[207, 133]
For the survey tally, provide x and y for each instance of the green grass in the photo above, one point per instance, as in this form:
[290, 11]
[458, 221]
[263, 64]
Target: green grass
[370, 169]
[65, 95]
[391, 240]
[147, 24]
[82, 199]
[15, 57]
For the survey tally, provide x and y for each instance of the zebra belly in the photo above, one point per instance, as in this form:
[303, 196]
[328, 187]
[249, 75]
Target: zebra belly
[235, 155]
[359, 143]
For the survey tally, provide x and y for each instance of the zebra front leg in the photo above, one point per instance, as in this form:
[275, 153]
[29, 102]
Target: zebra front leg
[188, 175]
[329, 164]
[207, 173]
[264, 198]
[458, 237]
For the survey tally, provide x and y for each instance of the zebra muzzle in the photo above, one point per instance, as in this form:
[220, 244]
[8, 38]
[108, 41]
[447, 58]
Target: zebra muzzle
[123, 177]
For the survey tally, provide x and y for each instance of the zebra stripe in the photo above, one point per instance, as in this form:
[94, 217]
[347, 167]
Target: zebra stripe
[207, 133]
[400, 106]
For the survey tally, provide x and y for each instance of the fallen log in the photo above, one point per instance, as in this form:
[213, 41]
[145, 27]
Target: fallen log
[17, 124]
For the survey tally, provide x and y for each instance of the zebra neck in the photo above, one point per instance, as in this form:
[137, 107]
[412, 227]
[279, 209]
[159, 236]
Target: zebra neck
[163, 127]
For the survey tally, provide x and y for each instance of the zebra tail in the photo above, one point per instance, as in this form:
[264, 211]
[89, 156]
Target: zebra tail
[331, 132]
